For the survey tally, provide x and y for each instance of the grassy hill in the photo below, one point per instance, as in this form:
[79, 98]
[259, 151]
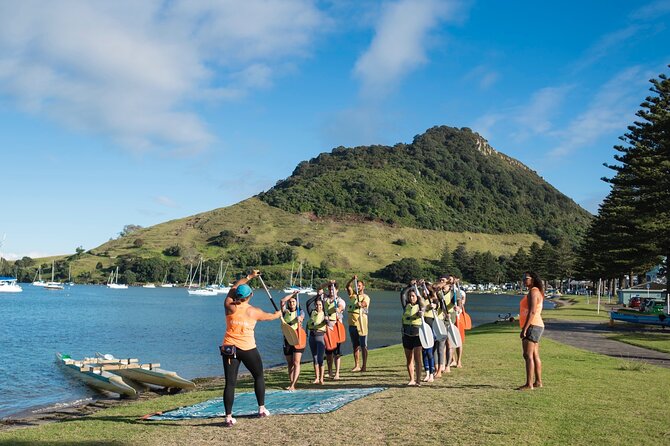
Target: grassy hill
[446, 179]
[344, 245]
[343, 211]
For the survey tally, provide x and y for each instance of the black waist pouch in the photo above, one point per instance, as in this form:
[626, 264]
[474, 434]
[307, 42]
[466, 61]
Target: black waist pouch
[229, 351]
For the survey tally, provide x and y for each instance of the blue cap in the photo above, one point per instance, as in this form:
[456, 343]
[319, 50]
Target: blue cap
[243, 291]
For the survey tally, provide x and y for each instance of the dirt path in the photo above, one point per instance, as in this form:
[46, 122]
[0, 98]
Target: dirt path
[592, 336]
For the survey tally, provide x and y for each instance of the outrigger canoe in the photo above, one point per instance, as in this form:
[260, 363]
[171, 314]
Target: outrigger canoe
[638, 317]
[143, 373]
[96, 376]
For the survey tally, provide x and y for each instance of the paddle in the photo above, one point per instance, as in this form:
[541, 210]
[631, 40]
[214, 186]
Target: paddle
[452, 332]
[467, 322]
[302, 335]
[362, 316]
[425, 332]
[439, 329]
[289, 333]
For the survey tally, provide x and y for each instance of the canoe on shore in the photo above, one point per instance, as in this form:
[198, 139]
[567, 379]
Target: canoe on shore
[95, 376]
[638, 317]
[144, 373]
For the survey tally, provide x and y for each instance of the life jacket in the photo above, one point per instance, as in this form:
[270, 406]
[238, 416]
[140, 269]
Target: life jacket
[291, 318]
[411, 315]
[317, 322]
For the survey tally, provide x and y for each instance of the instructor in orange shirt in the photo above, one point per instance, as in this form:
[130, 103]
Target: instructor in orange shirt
[532, 326]
[239, 344]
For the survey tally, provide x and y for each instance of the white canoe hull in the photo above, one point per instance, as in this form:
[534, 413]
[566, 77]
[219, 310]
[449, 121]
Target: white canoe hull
[96, 377]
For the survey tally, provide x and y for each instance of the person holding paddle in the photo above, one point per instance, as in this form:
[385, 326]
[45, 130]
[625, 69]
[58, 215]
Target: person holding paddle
[293, 316]
[239, 344]
[440, 348]
[334, 307]
[411, 323]
[427, 306]
[317, 330]
[359, 303]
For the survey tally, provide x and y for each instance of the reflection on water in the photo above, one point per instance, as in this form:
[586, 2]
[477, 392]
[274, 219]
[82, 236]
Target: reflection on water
[163, 325]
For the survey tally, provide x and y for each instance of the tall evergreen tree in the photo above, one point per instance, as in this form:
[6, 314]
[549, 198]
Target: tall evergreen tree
[644, 172]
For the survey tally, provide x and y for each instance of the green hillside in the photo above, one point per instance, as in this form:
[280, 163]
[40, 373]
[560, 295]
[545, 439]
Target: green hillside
[353, 210]
[446, 179]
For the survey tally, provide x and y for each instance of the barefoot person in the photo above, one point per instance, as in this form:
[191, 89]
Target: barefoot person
[239, 344]
[532, 326]
[411, 321]
[293, 317]
[427, 307]
[359, 303]
[317, 330]
[334, 308]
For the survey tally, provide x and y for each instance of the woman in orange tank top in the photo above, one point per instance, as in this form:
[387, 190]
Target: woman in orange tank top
[532, 326]
[239, 344]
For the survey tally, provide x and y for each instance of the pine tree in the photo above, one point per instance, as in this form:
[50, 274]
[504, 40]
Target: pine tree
[644, 173]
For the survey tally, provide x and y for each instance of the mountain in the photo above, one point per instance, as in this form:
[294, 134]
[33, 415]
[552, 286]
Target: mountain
[446, 179]
[354, 210]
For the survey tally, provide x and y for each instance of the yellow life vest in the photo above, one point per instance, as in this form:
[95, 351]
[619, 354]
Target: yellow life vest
[317, 321]
[411, 315]
[291, 318]
[331, 309]
[354, 310]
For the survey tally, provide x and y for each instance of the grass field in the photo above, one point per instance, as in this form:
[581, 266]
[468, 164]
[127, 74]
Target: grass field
[653, 341]
[588, 399]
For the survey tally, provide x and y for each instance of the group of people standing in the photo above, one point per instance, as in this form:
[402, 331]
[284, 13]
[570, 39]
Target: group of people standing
[440, 305]
[325, 327]
[433, 327]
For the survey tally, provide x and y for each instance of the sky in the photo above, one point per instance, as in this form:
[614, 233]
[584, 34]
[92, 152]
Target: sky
[126, 112]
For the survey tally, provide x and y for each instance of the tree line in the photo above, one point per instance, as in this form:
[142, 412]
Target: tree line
[631, 232]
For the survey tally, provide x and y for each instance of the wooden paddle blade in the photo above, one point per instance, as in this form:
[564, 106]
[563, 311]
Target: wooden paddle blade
[289, 333]
[341, 332]
[363, 324]
[439, 329]
[330, 339]
[302, 338]
[426, 335]
[467, 321]
[454, 336]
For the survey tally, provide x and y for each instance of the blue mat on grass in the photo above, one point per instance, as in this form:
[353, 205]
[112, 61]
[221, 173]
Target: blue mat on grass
[278, 402]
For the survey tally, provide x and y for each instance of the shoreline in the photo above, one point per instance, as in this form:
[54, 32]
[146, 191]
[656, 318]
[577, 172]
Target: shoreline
[76, 409]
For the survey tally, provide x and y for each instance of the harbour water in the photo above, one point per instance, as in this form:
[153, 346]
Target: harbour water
[163, 325]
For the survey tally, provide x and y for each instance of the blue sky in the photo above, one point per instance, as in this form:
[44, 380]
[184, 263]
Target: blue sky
[125, 112]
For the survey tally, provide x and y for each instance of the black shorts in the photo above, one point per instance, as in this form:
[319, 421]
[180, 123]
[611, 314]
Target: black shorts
[290, 349]
[410, 342]
[336, 351]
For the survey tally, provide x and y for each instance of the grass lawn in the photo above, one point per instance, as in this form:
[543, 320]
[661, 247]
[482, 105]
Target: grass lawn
[577, 308]
[655, 341]
[587, 399]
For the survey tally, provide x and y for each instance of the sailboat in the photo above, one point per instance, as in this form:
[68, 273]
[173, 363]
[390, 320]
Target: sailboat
[69, 280]
[53, 285]
[113, 281]
[293, 287]
[199, 291]
[220, 279]
[37, 280]
[165, 284]
[312, 291]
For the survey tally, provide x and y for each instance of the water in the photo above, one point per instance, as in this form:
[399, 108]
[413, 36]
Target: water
[155, 325]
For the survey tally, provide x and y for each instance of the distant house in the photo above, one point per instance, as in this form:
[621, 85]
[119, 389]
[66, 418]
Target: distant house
[655, 291]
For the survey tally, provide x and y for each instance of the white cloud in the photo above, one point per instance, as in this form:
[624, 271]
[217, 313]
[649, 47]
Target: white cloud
[605, 44]
[400, 43]
[134, 70]
[526, 120]
[611, 109]
[652, 10]
[165, 201]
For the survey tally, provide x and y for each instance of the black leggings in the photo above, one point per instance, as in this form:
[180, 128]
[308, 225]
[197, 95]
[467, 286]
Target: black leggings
[252, 361]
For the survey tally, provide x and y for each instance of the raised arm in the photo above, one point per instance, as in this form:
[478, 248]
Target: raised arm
[230, 301]
[350, 289]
